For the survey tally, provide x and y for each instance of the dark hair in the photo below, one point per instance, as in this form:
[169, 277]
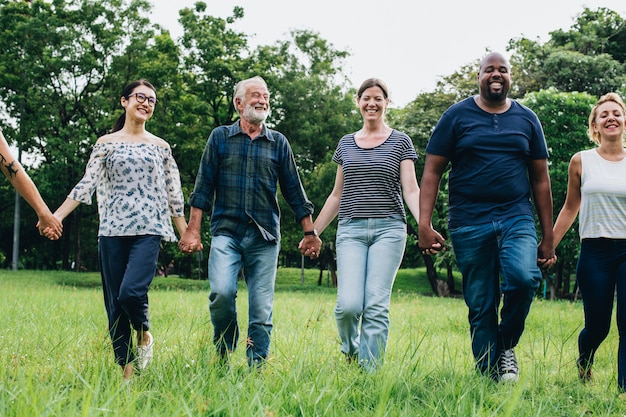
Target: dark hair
[373, 82]
[126, 92]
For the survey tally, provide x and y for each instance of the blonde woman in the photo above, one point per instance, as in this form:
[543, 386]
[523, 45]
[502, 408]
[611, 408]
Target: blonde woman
[596, 192]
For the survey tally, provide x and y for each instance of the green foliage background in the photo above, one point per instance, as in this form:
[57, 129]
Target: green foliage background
[64, 62]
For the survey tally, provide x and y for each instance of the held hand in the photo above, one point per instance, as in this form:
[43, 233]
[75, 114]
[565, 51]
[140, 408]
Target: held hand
[545, 254]
[50, 226]
[190, 243]
[544, 263]
[310, 246]
[50, 233]
[430, 241]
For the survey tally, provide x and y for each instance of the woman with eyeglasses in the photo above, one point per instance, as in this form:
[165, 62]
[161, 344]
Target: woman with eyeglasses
[139, 195]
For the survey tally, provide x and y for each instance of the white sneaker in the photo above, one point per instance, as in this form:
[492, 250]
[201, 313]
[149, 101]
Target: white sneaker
[145, 354]
[507, 366]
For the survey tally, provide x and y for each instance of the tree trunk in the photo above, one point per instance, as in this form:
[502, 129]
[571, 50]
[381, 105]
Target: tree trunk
[439, 287]
[450, 278]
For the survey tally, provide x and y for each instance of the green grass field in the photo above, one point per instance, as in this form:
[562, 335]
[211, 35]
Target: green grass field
[56, 359]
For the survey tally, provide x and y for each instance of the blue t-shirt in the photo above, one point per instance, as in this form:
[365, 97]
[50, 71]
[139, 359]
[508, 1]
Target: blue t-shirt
[489, 154]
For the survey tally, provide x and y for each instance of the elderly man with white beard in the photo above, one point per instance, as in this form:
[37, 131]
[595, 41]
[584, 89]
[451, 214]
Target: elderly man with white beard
[237, 181]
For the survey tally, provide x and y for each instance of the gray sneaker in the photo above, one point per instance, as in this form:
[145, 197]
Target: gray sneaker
[507, 366]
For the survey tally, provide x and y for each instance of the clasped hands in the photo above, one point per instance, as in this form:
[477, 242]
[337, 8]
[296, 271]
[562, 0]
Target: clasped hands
[310, 246]
[50, 226]
[189, 246]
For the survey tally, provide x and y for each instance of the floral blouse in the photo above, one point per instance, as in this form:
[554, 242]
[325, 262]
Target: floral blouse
[138, 189]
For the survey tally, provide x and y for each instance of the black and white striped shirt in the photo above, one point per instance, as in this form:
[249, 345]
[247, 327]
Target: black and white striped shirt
[371, 186]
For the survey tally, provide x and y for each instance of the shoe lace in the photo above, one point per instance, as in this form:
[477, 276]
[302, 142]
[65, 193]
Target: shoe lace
[508, 362]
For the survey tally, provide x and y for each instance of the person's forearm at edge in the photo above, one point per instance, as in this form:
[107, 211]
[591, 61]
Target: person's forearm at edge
[25, 186]
[543, 205]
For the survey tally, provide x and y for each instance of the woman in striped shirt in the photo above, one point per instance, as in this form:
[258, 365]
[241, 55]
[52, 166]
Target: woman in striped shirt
[376, 168]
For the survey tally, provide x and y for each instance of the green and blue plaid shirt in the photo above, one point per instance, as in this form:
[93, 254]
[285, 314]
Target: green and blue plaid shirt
[238, 178]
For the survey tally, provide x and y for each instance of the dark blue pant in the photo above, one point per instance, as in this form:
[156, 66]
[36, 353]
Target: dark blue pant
[601, 274]
[127, 265]
[498, 261]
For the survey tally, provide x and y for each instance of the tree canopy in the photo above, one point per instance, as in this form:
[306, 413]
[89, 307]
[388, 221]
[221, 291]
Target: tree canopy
[65, 62]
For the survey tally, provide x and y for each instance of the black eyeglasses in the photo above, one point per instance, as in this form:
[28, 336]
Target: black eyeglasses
[141, 97]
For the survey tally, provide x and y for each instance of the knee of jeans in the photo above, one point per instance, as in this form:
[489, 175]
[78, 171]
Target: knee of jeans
[376, 312]
[222, 299]
[484, 316]
[521, 279]
[347, 309]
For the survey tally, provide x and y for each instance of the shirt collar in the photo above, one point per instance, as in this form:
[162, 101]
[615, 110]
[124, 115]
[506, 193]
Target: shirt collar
[235, 129]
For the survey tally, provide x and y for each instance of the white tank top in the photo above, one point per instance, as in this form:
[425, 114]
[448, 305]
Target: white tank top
[603, 197]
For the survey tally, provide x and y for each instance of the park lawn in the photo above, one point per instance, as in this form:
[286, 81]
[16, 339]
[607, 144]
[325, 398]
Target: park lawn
[56, 359]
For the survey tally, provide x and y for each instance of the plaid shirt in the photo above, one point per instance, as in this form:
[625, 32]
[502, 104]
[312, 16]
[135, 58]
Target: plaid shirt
[237, 182]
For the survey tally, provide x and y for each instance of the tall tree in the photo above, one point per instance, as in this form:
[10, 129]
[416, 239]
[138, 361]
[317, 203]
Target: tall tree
[564, 118]
[54, 80]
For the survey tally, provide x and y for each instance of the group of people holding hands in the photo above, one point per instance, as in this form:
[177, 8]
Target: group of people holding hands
[498, 181]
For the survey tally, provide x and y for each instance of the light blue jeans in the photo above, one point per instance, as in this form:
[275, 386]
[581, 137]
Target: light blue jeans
[258, 258]
[369, 253]
[497, 258]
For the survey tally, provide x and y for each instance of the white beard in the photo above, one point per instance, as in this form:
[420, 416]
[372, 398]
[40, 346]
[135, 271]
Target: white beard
[253, 115]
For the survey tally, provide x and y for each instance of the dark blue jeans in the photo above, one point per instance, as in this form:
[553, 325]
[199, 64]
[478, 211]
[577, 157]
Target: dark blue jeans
[601, 274]
[127, 266]
[498, 260]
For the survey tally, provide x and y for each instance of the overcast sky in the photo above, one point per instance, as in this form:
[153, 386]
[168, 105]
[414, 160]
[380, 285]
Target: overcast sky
[410, 44]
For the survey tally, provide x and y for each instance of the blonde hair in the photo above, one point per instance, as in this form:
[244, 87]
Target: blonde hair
[614, 97]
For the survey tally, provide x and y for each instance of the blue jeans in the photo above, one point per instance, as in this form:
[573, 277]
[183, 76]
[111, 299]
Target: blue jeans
[127, 267]
[601, 274]
[369, 252]
[258, 258]
[497, 260]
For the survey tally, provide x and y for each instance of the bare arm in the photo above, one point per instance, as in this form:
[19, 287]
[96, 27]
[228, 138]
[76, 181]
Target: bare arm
[327, 214]
[66, 208]
[180, 224]
[190, 238]
[331, 207]
[16, 175]
[570, 208]
[430, 241]
[410, 189]
[542, 196]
